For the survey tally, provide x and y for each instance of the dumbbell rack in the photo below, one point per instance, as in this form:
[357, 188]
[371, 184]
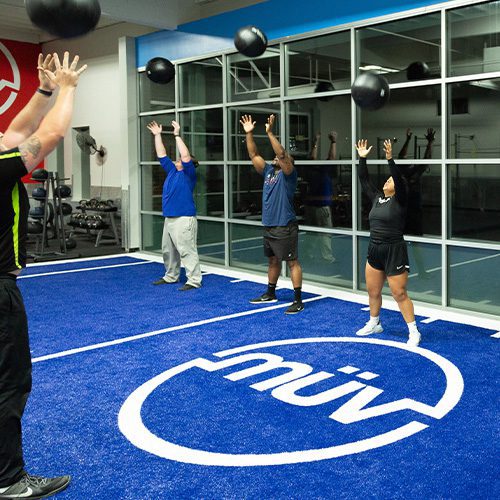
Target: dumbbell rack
[51, 185]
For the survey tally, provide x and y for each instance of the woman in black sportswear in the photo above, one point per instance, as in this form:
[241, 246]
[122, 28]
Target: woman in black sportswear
[387, 252]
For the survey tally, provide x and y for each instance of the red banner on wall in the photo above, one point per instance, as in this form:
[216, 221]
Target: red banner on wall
[18, 79]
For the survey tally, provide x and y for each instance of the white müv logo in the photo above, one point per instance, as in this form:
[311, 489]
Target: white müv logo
[361, 407]
[15, 84]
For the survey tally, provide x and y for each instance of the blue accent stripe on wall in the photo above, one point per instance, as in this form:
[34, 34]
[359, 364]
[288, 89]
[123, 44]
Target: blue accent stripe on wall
[277, 18]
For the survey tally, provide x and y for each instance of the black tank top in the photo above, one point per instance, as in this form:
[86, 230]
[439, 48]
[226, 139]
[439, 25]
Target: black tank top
[14, 207]
[388, 214]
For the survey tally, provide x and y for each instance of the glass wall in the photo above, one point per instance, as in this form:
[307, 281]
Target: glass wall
[443, 68]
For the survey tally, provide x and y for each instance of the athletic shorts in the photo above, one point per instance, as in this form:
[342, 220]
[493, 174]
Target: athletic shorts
[392, 258]
[282, 241]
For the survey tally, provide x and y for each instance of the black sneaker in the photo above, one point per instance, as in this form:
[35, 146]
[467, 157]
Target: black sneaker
[185, 287]
[265, 297]
[35, 487]
[295, 308]
[162, 281]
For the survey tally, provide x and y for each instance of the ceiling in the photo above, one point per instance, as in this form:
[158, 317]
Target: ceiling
[156, 14]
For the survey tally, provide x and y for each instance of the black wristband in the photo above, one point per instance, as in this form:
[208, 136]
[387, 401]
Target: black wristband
[47, 93]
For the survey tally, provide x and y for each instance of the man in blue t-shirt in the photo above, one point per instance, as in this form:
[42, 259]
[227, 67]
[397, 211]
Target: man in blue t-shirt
[181, 227]
[281, 230]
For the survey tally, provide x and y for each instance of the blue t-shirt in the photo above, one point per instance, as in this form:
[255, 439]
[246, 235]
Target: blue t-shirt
[277, 197]
[177, 199]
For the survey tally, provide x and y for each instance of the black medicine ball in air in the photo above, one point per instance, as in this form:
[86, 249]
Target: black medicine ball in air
[370, 91]
[160, 70]
[64, 18]
[417, 70]
[250, 41]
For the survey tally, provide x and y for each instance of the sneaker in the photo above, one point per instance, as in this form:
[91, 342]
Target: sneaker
[369, 329]
[163, 281]
[35, 487]
[185, 287]
[295, 308]
[265, 297]
[414, 339]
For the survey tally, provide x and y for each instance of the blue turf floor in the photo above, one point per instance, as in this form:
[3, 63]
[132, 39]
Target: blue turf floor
[71, 421]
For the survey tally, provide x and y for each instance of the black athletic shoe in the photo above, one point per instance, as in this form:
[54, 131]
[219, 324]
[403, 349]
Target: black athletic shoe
[185, 287]
[295, 308]
[162, 281]
[265, 297]
[35, 487]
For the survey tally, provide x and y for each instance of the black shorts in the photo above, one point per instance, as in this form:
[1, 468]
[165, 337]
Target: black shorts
[392, 258]
[282, 241]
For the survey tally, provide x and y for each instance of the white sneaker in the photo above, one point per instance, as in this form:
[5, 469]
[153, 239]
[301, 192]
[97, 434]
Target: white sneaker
[414, 339]
[370, 328]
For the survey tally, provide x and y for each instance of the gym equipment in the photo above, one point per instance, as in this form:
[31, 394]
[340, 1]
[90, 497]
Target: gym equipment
[35, 227]
[418, 70]
[39, 193]
[63, 191]
[70, 243]
[39, 174]
[324, 87]
[250, 41]
[160, 70]
[37, 212]
[64, 18]
[370, 91]
[66, 208]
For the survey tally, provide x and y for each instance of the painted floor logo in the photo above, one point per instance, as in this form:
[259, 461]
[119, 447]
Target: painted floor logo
[359, 402]
[11, 80]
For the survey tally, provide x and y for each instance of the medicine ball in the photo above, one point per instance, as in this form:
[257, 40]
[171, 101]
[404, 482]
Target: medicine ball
[37, 212]
[39, 193]
[418, 70]
[35, 228]
[63, 191]
[64, 18]
[70, 243]
[160, 70]
[250, 41]
[67, 209]
[39, 174]
[324, 87]
[370, 91]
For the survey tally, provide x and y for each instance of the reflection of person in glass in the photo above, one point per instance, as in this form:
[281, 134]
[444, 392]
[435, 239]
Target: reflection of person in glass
[181, 227]
[281, 229]
[318, 200]
[387, 252]
[413, 175]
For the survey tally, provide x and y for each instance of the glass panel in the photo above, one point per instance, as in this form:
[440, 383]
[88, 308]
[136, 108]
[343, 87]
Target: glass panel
[326, 258]
[246, 192]
[474, 279]
[209, 191]
[475, 204]
[155, 96]
[153, 177]
[321, 64]
[474, 119]
[424, 280]
[474, 39]
[237, 145]
[211, 241]
[256, 78]
[401, 114]
[424, 198]
[152, 231]
[202, 132]
[247, 248]
[324, 195]
[313, 121]
[403, 50]
[201, 82]
[148, 152]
